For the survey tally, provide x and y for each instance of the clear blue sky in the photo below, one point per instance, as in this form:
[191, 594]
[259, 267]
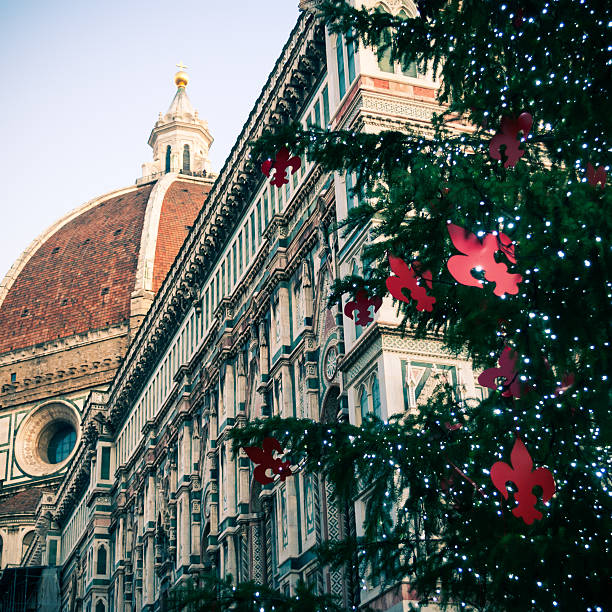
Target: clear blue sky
[82, 83]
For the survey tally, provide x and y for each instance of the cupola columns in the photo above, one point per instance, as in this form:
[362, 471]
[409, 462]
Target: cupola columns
[180, 139]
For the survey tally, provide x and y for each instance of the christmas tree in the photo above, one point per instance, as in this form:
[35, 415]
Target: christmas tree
[495, 226]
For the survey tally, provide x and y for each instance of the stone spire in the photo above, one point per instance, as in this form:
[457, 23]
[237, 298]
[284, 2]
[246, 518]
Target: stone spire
[180, 139]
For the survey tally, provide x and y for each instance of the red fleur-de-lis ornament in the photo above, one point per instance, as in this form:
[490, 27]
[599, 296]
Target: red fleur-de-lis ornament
[508, 137]
[526, 478]
[361, 307]
[280, 165]
[596, 177]
[409, 277]
[507, 371]
[480, 255]
[265, 458]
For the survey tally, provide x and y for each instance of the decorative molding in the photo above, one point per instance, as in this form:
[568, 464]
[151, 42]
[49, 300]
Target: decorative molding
[389, 339]
[63, 344]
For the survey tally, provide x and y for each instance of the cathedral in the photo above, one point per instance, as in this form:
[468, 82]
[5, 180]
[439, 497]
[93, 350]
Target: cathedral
[144, 325]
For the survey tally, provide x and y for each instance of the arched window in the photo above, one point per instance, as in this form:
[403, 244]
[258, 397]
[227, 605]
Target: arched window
[363, 402]
[376, 396]
[168, 154]
[385, 62]
[25, 543]
[101, 560]
[350, 194]
[384, 57]
[186, 158]
[340, 65]
[410, 70]
[100, 607]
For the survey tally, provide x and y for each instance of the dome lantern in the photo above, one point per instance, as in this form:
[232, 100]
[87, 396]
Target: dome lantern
[180, 139]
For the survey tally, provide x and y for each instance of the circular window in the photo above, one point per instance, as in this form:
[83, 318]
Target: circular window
[61, 444]
[47, 438]
[330, 363]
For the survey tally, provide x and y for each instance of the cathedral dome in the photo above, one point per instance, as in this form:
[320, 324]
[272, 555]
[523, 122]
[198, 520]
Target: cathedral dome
[80, 274]
[101, 264]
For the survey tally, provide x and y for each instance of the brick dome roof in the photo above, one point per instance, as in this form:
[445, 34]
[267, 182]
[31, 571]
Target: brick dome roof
[79, 275]
[20, 503]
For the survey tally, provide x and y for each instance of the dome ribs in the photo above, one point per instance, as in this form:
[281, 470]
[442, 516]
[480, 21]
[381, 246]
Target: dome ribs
[182, 203]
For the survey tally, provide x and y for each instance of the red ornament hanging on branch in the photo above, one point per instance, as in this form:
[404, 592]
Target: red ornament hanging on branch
[361, 306]
[265, 458]
[409, 277]
[525, 477]
[480, 255]
[280, 165]
[508, 137]
[507, 371]
[567, 381]
[596, 177]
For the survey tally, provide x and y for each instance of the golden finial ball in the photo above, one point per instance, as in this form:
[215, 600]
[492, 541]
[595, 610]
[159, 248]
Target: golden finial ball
[181, 79]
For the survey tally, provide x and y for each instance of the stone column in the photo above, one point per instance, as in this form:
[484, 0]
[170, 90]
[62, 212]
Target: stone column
[288, 407]
[243, 481]
[148, 573]
[292, 517]
[230, 479]
[306, 289]
[120, 589]
[185, 527]
[173, 474]
[230, 562]
[185, 458]
[285, 317]
[149, 506]
[183, 491]
[229, 404]
[264, 365]
[149, 569]
[242, 382]
[120, 549]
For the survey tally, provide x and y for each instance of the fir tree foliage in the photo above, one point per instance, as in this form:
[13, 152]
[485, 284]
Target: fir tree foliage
[433, 516]
[213, 594]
